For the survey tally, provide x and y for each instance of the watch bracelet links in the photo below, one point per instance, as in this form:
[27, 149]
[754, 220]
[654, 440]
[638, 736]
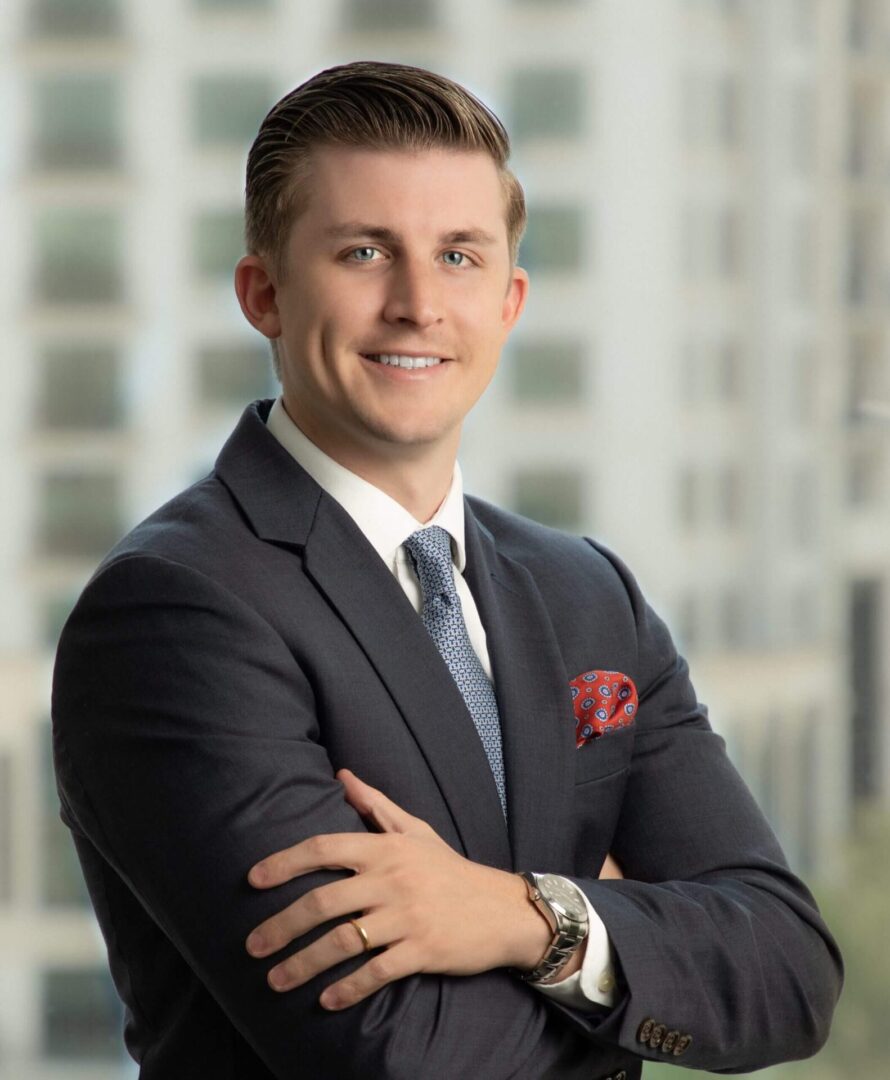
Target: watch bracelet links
[553, 961]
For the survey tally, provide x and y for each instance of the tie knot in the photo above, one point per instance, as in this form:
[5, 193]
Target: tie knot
[431, 550]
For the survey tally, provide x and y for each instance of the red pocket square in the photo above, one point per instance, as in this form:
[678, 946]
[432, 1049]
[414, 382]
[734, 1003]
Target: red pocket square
[604, 701]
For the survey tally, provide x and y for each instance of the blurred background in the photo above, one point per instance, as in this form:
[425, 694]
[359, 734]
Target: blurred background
[700, 380]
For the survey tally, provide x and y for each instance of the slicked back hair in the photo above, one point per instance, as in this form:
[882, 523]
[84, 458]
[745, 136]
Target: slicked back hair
[373, 105]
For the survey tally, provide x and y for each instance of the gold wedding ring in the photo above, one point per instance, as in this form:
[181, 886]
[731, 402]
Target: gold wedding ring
[362, 934]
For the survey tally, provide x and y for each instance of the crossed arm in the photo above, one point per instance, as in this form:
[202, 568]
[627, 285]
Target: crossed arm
[433, 909]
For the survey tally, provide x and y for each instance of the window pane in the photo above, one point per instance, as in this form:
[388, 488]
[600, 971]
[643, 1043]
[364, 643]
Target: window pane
[79, 258]
[75, 18]
[554, 239]
[548, 371]
[232, 5]
[228, 110]
[546, 102]
[82, 1015]
[219, 243]
[62, 881]
[80, 388]
[5, 828]
[551, 496]
[386, 15]
[234, 375]
[76, 122]
[80, 514]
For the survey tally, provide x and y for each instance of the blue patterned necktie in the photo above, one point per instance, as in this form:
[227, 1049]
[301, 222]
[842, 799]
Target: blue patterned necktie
[430, 549]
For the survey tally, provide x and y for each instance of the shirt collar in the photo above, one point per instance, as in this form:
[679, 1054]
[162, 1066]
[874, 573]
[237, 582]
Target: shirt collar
[385, 522]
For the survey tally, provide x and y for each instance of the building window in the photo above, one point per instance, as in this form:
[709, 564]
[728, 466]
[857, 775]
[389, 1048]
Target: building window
[80, 388]
[552, 496]
[549, 372]
[867, 662]
[802, 141]
[219, 243]
[868, 373]
[712, 110]
[863, 245]
[233, 375]
[713, 242]
[805, 397]
[730, 498]
[386, 16]
[232, 5]
[5, 828]
[862, 30]
[62, 883]
[688, 497]
[865, 475]
[82, 1015]
[77, 122]
[555, 240]
[54, 609]
[228, 109]
[803, 259]
[80, 19]
[732, 618]
[80, 514]
[547, 103]
[79, 257]
[803, 507]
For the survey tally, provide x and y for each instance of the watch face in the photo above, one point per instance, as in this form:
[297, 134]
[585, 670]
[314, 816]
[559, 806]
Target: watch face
[565, 894]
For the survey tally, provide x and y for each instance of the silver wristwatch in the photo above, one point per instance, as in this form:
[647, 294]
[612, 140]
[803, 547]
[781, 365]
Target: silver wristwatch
[561, 903]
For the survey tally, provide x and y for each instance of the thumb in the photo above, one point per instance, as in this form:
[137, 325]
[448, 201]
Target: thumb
[373, 804]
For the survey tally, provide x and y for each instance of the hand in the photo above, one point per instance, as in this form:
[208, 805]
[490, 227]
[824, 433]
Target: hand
[432, 909]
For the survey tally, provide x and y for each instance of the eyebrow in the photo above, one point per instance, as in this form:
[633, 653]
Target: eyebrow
[390, 236]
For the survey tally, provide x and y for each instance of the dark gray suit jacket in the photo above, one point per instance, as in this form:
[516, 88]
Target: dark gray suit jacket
[245, 641]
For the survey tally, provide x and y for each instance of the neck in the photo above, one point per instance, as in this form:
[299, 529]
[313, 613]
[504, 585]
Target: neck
[417, 476]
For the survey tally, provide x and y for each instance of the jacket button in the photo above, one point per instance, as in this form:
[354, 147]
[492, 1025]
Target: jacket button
[670, 1041]
[645, 1030]
[621, 1075]
[658, 1033]
[683, 1044]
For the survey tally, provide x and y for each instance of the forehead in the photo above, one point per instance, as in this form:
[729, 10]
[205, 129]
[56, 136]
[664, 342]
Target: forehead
[433, 191]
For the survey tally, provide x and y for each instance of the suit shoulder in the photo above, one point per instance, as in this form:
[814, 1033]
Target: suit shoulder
[194, 528]
[540, 547]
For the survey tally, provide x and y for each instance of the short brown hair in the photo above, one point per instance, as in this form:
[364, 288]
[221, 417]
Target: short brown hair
[371, 104]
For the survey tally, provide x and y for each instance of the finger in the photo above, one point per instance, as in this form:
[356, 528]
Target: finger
[391, 964]
[315, 907]
[335, 851]
[339, 944]
[372, 803]
[610, 869]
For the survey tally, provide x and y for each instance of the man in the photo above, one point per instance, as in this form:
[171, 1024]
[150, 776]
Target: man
[315, 717]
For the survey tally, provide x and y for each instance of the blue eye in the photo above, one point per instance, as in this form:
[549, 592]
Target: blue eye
[460, 253]
[363, 249]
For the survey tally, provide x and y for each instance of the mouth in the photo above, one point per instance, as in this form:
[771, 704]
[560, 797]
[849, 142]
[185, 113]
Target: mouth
[406, 361]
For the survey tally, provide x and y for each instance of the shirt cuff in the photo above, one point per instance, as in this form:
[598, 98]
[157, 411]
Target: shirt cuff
[594, 982]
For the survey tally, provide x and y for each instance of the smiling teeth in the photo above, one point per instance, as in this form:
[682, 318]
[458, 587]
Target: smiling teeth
[394, 360]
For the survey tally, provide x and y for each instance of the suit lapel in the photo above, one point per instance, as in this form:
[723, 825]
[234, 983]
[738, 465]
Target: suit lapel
[534, 702]
[285, 505]
[373, 605]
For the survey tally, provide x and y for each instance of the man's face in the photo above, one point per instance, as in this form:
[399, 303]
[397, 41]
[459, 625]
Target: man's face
[396, 253]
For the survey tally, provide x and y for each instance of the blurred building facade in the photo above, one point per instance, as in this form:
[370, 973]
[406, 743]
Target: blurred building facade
[698, 378]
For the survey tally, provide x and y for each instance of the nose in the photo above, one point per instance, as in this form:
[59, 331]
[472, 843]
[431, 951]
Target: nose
[413, 294]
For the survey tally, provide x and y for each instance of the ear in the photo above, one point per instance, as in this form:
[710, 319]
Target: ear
[514, 300]
[257, 294]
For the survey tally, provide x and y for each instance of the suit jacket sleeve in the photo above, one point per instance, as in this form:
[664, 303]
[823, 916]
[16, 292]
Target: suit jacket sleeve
[714, 936]
[187, 747]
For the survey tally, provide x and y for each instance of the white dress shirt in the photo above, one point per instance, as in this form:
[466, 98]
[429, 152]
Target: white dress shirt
[387, 524]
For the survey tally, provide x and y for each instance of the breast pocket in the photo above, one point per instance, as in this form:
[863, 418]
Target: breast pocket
[601, 770]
